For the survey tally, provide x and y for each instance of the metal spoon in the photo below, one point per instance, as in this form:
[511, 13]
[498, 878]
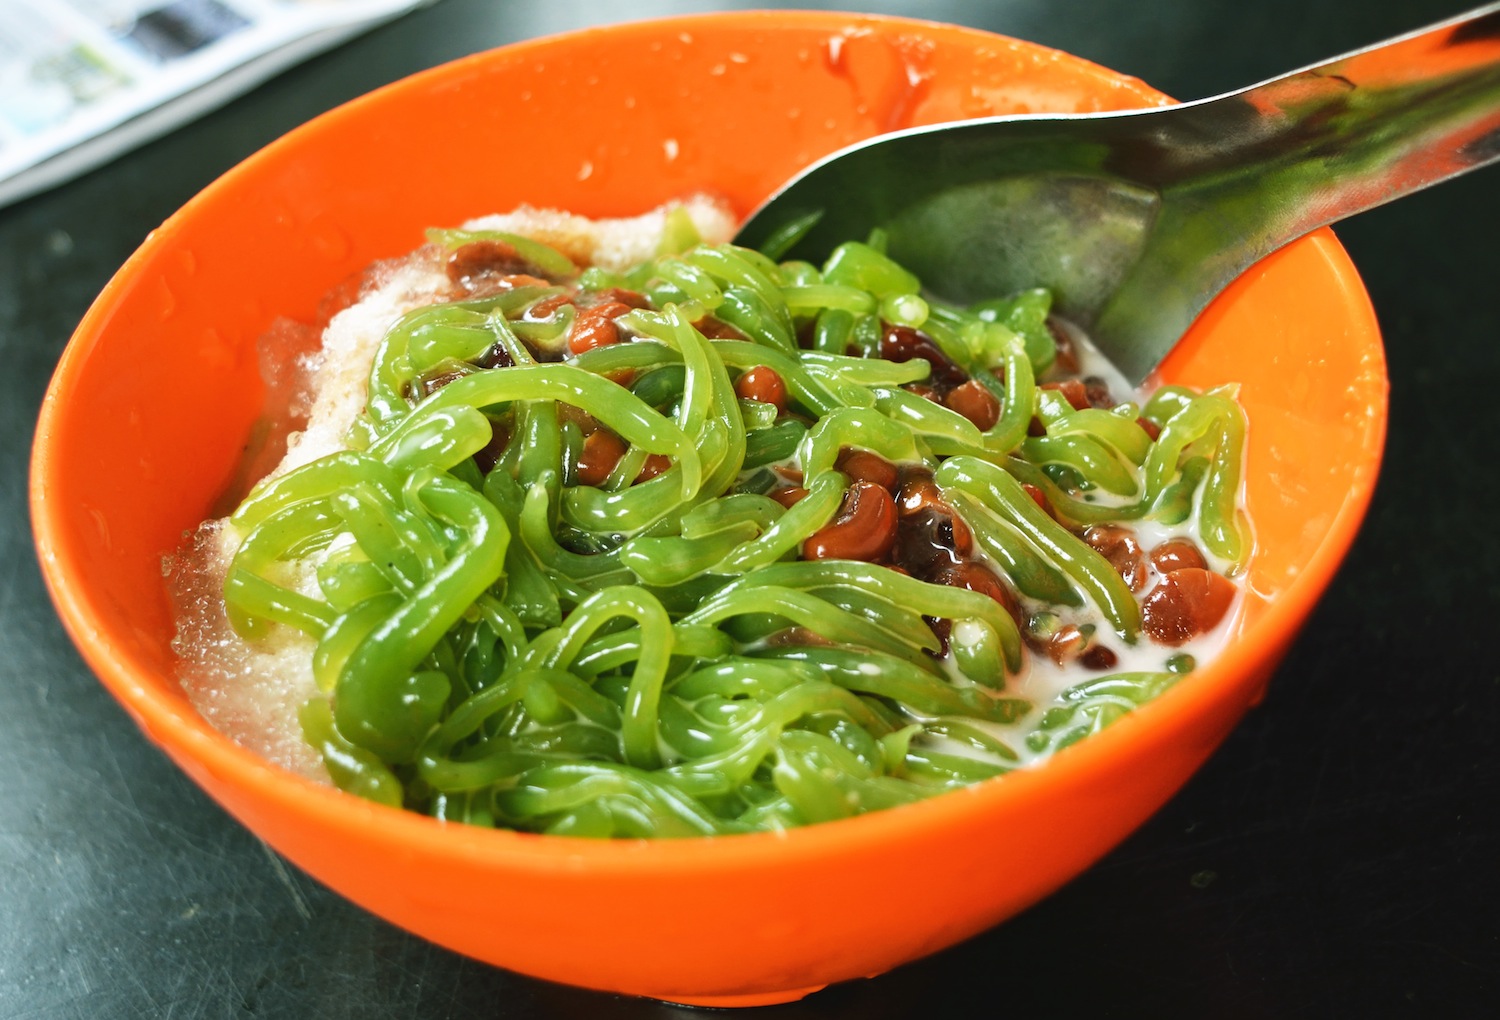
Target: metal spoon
[1136, 220]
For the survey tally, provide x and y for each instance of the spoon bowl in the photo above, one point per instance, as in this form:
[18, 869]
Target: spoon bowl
[1136, 220]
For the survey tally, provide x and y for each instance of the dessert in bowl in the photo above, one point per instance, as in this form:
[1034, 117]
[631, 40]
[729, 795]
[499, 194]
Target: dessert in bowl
[146, 422]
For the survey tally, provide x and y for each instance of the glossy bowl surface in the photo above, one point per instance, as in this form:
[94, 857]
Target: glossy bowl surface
[154, 397]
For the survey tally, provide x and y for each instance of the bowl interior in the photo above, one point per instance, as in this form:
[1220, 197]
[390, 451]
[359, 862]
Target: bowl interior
[155, 397]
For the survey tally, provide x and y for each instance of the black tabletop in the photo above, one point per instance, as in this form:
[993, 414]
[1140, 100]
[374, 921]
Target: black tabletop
[1337, 857]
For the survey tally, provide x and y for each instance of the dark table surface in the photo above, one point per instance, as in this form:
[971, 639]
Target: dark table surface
[1337, 857]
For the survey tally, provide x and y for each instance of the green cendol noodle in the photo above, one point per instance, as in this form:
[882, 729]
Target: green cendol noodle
[659, 653]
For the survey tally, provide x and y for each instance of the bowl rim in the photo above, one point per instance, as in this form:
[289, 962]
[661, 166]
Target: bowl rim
[171, 722]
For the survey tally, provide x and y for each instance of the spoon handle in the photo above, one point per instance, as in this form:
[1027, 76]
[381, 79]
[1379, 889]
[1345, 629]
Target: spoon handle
[1343, 136]
[1239, 175]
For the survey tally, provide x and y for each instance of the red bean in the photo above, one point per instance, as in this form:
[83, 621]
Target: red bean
[587, 423]
[762, 384]
[595, 327]
[619, 295]
[865, 528]
[942, 629]
[977, 577]
[477, 258]
[1039, 498]
[902, 343]
[918, 492]
[931, 540]
[715, 329]
[1098, 657]
[511, 281]
[975, 402]
[654, 465]
[1176, 554]
[789, 496]
[547, 307]
[496, 357]
[1067, 352]
[488, 456]
[1118, 545]
[1184, 604]
[602, 450]
[1097, 392]
[1150, 428]
[1073, 391]
[431, 384]
[864, 466]
[1064, 644]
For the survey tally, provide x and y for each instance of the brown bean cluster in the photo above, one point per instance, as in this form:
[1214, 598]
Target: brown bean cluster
[896, 516]
[1188, 598]
[488, 267]
[893, 515]
[602, 451]
[481, 268]
[946, 383]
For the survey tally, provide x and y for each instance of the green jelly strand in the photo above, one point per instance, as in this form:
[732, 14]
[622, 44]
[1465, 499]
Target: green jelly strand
[1094, 461]
[611, 404]
[795, 526]
[731, 511]
[379, 702]
[945, 431]
[1090, 571]
[557, 797]
[250, 597]
[672, 560]
[804, 388]
[352, 768]
[536, 532]
[921, 691]
[803, 609]
[1028, 569]
[866, 429]
[638, 730]
[940, 601]
[777, 443]
[315, 481]
[1018, 401]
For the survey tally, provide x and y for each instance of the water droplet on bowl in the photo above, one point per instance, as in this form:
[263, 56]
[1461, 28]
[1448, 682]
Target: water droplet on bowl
[833, 53]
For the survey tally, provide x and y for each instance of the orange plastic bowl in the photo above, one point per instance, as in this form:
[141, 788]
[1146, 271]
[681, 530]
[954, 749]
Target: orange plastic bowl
[153, 400]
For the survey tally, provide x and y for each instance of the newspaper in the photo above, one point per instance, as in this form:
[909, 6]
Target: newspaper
[82, 81]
